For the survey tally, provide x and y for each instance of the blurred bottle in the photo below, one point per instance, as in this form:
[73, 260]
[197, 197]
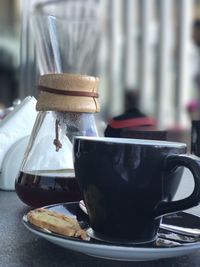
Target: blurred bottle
[195, 138]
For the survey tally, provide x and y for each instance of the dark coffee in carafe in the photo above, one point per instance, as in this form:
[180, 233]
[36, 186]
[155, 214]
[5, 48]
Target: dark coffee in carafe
[40, 190]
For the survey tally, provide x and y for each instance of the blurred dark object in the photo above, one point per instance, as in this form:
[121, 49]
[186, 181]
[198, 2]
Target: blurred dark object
[193, 109]
[196, 32]
[130, 120]
[195, 138]
[145, 133]
[196, 38]
[178, 133]
[8, 78]
[2, 111]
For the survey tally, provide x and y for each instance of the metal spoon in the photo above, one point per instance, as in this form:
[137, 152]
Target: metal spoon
[193, 232]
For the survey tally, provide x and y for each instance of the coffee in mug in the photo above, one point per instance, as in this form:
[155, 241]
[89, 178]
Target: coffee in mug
[128, 184]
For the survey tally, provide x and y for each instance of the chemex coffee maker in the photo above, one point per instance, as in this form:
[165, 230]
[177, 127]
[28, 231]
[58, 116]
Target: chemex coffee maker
[66, 105]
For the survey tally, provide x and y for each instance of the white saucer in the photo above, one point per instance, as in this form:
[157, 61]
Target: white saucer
[120, 252]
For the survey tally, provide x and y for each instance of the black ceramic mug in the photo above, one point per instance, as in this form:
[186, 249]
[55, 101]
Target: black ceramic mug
[128, 184]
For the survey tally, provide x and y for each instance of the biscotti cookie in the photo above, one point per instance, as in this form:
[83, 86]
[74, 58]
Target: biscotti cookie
[56, 222]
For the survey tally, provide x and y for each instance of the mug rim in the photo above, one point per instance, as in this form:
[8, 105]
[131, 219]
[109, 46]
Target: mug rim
[132, 141]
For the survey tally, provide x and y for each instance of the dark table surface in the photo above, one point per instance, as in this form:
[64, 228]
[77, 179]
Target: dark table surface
[19, 247]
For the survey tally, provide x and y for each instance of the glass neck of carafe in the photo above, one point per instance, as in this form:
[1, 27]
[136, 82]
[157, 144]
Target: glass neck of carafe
[77, 124]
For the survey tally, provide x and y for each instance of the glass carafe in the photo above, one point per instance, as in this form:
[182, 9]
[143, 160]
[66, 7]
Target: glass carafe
[66, 104]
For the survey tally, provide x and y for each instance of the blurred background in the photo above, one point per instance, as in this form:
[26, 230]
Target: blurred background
[150, 47]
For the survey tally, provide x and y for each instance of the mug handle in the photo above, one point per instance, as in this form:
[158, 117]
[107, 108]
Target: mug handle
[193, 164]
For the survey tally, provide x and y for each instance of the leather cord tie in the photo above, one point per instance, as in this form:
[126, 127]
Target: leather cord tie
[56, 141]
[68, 92]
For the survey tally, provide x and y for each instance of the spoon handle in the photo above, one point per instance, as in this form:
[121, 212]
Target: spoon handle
[181, 230]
